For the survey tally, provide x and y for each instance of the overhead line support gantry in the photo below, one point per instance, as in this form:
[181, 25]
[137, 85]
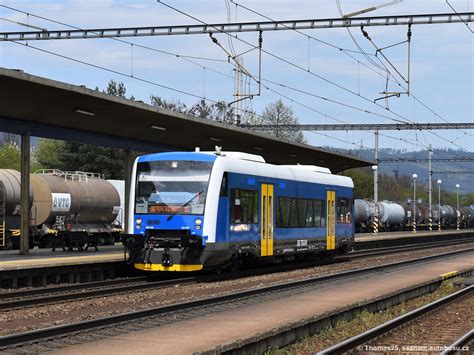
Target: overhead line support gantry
[236, 27]
[364, 126]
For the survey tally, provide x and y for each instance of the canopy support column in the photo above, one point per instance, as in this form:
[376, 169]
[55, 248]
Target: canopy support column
[25, 194]
[129, 154]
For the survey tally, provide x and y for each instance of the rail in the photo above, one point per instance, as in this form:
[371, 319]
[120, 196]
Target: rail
[35, 297]
[460, 343]
[166, 312]
[384, 328]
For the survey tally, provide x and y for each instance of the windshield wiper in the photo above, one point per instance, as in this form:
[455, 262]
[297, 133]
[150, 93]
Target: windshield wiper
[184, 205]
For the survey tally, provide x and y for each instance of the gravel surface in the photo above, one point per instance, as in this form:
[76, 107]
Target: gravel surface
[435, 329]
[68, 312]
[361, 323]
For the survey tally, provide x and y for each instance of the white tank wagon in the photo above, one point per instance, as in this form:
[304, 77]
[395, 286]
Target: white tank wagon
[120, 187]
[391, 216]
[362, 215]
[72, 208]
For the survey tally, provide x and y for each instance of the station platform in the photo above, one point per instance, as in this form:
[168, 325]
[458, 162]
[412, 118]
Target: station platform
[43, 267]
[363, 237]
[221, 330]
[40, 258]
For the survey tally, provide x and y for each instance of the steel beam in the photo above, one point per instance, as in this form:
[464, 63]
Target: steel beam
[363, 126]
[285, 25]
[25, 194]
[128, 167]
[434, 160]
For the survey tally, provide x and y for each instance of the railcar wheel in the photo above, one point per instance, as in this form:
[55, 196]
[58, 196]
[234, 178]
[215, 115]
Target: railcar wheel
[235, 263]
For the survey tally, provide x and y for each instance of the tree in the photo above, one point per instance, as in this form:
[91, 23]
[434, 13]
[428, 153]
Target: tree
[48, 154]
[10, 156]
[219, 111]
[91, 158]
[116, 89]
[277, 114]
[176, 106]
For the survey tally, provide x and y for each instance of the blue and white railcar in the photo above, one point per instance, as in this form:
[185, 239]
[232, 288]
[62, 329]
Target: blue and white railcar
[198, 210]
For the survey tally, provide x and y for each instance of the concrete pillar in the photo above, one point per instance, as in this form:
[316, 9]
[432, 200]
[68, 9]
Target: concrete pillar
[128, 166]
[25, 194]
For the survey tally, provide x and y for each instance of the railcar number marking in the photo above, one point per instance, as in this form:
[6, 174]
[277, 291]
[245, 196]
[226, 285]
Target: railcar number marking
[301, 242]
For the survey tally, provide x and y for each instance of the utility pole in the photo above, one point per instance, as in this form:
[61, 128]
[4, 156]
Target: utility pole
[430, 187]
[238, 92]
[376, 185]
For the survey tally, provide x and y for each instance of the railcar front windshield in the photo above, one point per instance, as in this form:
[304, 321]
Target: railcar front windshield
[172, 186]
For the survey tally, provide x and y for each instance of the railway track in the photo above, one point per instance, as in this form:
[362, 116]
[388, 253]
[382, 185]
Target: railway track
[49, 295]
[58, 336]
[392, 335]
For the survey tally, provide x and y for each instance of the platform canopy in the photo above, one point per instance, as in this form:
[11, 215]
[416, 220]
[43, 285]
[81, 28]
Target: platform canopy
[53, 109]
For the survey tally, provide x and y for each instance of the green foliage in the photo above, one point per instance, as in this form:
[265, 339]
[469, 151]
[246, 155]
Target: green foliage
[363, 182]
[10, 156]
[48, 154]
[116, 89]
[90, 158]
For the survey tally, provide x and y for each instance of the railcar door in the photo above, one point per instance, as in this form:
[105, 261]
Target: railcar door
[331, 220]
[266, 220]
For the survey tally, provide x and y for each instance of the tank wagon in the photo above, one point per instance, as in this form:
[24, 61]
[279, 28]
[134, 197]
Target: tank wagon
[66, 208]
[212, 210]
[394, 216]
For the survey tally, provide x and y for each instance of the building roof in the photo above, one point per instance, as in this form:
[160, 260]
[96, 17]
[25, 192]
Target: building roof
[53, 109]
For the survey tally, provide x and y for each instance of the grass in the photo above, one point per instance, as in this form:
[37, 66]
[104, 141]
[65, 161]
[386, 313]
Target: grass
[361, 323]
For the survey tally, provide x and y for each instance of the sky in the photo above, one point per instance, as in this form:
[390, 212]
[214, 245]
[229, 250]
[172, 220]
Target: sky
[442, 63]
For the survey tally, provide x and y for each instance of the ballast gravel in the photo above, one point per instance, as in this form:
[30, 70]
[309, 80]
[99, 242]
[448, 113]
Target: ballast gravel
[21, 320]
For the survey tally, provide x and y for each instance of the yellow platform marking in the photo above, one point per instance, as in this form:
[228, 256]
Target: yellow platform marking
[448, 275]
[159, 267]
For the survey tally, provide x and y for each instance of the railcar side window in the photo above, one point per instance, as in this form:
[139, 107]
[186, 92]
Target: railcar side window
[283, 211]
[299, 213]
[293, 223]
[243, 206]
[344, 210]
[309, 222]
[223, 190]
[319, 219]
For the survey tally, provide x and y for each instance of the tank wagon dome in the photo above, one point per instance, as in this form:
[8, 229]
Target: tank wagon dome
[88, 199]
[10, 183]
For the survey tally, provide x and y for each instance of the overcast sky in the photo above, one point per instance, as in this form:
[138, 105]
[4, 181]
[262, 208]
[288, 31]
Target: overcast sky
[442, 61]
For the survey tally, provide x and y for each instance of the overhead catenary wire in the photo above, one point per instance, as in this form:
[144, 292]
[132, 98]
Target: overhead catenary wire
[201, 66]
[452, 8]
[401, 119]
[210, 69]
[146, 47]
[347, 52]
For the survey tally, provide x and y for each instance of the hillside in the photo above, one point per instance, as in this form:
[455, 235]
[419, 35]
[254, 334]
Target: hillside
[465, 179]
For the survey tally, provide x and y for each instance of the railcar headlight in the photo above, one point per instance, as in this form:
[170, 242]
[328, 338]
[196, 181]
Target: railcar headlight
[198, 222]
[138, 221]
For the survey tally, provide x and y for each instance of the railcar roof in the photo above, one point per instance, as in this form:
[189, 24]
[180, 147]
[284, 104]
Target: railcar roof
[53, 109]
